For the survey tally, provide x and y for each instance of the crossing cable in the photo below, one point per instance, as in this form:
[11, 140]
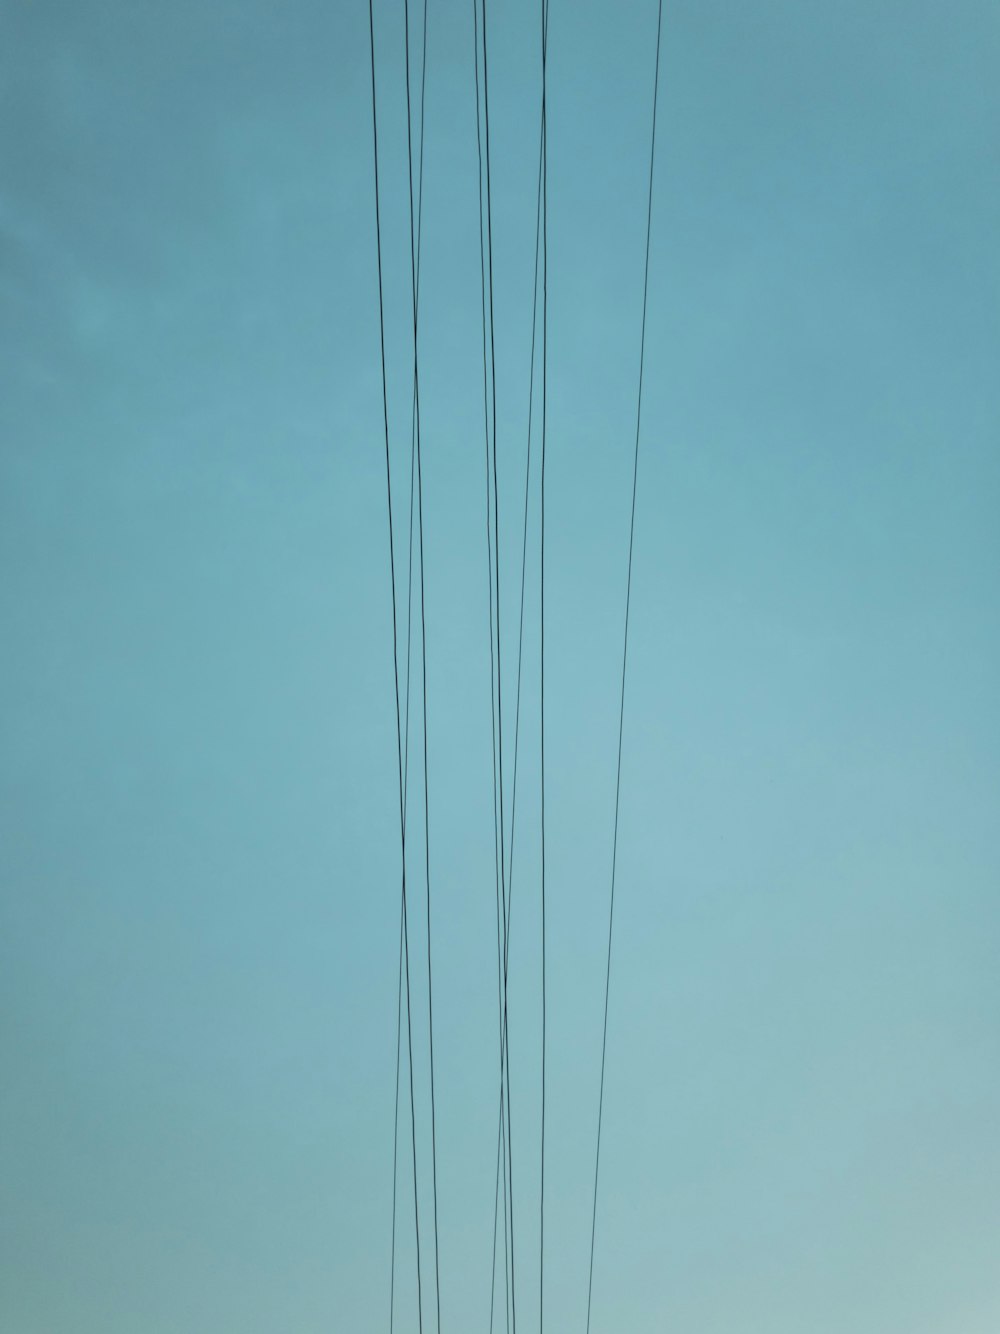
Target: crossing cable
[520, 642]
[395, 659]
[406, 716]
[413, 406]
[497, 832]
[496, 516]
[423, 650]
[504, 1061]
[545, 329]
[527, 475]
[628, 596]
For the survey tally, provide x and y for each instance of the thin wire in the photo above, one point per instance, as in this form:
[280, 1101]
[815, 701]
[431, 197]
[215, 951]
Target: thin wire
[395, 658]
[493, 383]
[524, 530]
[494, 686]
[395, 1124]
[409, 636]
[504, 1034]
[545, 328]
[413, 409]
[628, 597]
[423, 649]
[520, 641]
[504, 1052]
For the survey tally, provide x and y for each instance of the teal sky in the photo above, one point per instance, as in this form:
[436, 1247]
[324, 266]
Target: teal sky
[199, 843]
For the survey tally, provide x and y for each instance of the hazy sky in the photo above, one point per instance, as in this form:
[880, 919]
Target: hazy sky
[199, 843]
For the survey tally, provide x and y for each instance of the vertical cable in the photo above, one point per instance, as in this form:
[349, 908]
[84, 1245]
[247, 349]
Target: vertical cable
[504, 1039]
[545, 324]
[423, 649]
[621, 714]
[409, 637]
[395, 653]
[502, 1144]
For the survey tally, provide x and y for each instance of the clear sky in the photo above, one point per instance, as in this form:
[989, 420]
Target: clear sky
[199, 851]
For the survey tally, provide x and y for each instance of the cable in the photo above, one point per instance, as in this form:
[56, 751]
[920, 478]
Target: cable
[497, 831]
[545, 328]
[524, 531]
[628, 597]
[504, 1034]
[520, 647]
[395, 667]
[423, 649]
[413, 412]
[395, 1125]
[409, 636]
[524, 542]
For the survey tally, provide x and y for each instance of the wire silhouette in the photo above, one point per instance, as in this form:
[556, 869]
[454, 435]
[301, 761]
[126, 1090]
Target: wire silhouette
[545, 327]
[395, 653]
[409, 637]
[621, 712]
[502, 1144]
[423, 651]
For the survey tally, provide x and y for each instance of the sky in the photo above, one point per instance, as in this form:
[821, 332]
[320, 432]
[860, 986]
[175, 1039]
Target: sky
[199, 832]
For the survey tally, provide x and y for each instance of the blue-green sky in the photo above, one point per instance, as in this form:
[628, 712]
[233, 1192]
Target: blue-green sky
[199, 855]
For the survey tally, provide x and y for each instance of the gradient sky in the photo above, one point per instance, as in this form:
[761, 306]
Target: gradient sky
[199, 855]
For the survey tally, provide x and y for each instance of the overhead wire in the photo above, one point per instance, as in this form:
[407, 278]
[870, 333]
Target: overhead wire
[504, 1035]
[545, 327]
[409, 637]
[524, 540]
[621, 712]
[395, 659]
[497, 832]
[510, 859]
[423, 650]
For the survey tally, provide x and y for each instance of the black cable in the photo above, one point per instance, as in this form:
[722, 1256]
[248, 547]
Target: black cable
[493, 386]
[423, 649]
[504, 1038]
[395, 657]
[524, 530]
[413, 414]
[628, 597]
[520, 645]
[520, 641]
[395, 1125]
[497, 832]
[406, 716]
[545, 328]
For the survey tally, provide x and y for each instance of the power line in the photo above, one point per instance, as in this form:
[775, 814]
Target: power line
[505, 1055]
[497, 831]
[395, 1126]
[409, 636]
[628, 597]
[524, 540]
[545, 326]
[395, 668]
[504, 1034]
[423, 649]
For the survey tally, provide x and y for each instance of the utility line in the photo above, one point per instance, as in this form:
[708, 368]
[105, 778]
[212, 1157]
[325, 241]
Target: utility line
[497, 832]
[545, 326]
[524, 541]
[621, 713]
[423, 649]
[517, 719]
[504, 1038]
[395, 656]
[406, 716]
